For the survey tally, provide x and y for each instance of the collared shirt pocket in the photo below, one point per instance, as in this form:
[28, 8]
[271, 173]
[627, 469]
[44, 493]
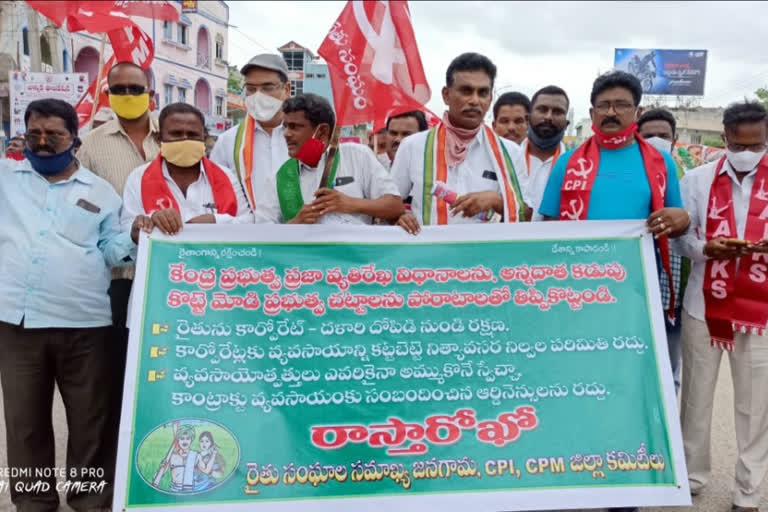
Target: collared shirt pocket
[78, 225]
[349, 186]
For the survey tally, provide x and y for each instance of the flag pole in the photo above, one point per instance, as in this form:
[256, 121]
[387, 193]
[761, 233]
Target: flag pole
[97, 92]
[333, 147]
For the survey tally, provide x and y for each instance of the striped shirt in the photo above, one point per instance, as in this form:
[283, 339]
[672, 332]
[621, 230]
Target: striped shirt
[110, 154]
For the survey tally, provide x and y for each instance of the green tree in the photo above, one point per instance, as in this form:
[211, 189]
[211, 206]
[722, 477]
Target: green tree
[715, 142]
[762, 95]
[235, 80]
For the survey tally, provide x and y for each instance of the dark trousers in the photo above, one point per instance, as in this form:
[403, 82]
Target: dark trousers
[31, 362]
[119, 292]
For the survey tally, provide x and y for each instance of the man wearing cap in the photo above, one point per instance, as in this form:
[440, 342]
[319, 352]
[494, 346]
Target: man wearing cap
[256, 148]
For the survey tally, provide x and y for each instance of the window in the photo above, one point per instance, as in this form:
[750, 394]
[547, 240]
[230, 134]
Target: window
[219, 47]
[65, 61]
[25, 40]
[696, 138]
[297, 87]
[167, 31]
[167, 94]
[183, 34]
[219, 106]
[182, 95]
[309, 75]
[295, 60]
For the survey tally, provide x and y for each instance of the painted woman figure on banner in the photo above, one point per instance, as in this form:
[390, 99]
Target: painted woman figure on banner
[183, 462]
[211, 460]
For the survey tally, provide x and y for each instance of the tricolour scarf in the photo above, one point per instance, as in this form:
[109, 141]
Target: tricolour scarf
[155, 194]
[580, 175]
[436, 169]
[736, 292]
[289, 186]
[243, 156]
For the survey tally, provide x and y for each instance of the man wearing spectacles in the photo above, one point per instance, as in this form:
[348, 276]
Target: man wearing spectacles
[726, 303]
[256, 148]
[60, 235]
[112, 151]
[617, 175]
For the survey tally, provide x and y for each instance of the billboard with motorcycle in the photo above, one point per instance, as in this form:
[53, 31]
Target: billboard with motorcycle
[671, 72]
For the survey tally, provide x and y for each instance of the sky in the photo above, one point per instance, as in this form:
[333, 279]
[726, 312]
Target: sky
[535, 44]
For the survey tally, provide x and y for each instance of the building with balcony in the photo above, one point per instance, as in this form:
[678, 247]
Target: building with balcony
[306, 71]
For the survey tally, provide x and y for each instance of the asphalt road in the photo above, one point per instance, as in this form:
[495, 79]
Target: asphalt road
[716, 498]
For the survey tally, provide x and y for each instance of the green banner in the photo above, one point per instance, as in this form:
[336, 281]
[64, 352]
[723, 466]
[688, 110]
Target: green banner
[518, 368]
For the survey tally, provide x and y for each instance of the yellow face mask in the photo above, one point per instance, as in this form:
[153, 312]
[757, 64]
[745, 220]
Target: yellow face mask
[184, 153]
[129, 106]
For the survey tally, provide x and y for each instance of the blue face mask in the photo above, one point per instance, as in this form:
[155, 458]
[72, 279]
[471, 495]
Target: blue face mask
[51, 164]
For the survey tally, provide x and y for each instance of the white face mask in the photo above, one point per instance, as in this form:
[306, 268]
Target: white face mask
[262, 107]
[743, 161]
[660, 144]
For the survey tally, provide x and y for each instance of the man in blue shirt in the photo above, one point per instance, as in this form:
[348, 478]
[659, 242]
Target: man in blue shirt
[633, 180]
[60, 234]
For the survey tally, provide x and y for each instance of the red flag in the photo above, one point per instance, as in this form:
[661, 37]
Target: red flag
[84, 107]
[130, 44]
[101, 16]
[374, 63]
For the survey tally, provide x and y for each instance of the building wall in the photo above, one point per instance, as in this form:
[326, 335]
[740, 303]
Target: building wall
[185, 67]
[317, 81]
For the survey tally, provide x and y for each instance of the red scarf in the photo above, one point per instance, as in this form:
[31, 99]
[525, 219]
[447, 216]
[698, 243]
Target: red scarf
[155, 194]
[15, 156]
[580, 175]
[735, 292]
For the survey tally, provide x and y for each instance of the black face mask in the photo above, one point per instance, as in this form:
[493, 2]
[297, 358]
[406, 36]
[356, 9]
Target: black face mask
[544, 143]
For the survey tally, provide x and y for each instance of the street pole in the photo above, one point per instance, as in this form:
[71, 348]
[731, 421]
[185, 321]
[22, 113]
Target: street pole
[97, 92]
[33, 38]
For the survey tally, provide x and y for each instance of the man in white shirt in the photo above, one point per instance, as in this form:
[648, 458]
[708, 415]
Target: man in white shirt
[726, 302]
[181, 186]
[357, 188]
[401, 126]
[461, 156]
[543, 146]
[255, 149]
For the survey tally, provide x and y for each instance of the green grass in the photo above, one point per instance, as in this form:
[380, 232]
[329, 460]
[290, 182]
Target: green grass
[155, 447]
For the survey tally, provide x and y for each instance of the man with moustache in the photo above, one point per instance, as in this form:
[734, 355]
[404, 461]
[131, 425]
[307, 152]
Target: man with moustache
[616, 174]
[358, 189]
[255, 149]
[402, 126]
[510, 116]
[543, 146]
[460, 156]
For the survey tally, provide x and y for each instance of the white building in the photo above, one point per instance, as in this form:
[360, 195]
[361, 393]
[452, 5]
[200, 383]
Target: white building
[190, 62]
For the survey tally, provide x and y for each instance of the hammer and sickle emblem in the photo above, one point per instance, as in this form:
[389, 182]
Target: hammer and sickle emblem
[385, 53]
[583, 171]
[575, 212]
[164, 203]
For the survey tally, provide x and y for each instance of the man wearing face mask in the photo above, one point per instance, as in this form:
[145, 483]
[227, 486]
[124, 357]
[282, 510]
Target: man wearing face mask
[181, 186]
[726, 303]
[255, 149]
[15, 149]
[657, 127]
[60, 235]
[112, 151]
[543, 146]
[460, 171]
[616, 174]
[358, 189]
